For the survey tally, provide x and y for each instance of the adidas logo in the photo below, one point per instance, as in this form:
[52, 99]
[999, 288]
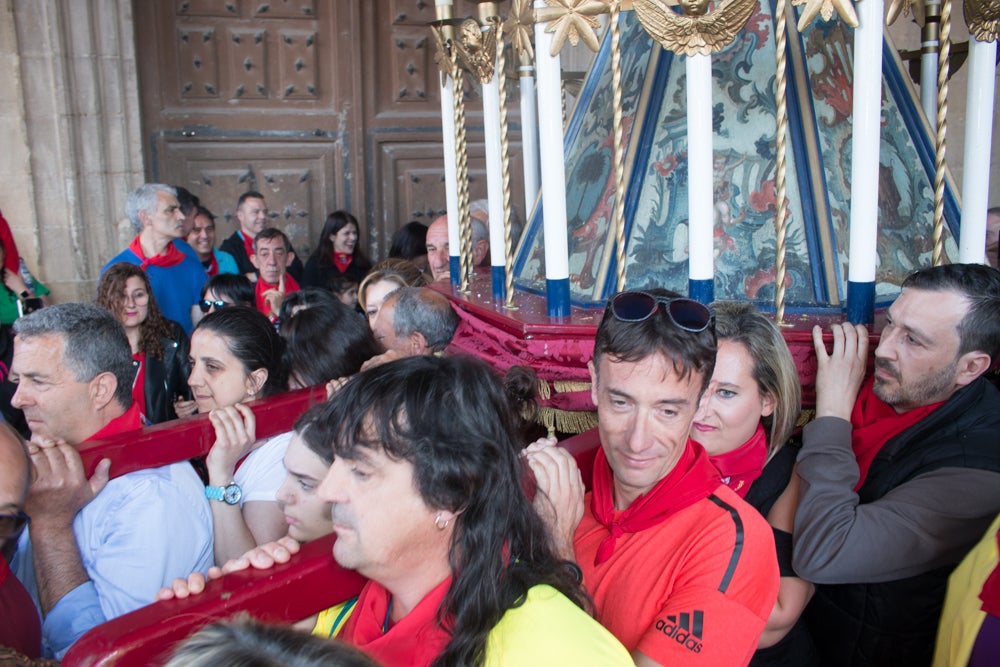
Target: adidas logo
[686, 629]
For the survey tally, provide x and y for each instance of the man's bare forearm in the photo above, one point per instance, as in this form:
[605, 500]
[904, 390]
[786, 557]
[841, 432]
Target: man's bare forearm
[58, 567]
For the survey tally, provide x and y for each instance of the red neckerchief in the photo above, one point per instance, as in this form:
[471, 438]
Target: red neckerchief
[129, 421]
[172, 257]
[416, 640]
[247, 243]
[740, 467]
[261, 287]
[990, 594]
[692, 479]
[342, 260]
[212, 269]
[874, 423]
[139, 385]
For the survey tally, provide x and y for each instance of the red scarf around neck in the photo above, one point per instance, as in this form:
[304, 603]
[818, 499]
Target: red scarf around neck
[213, 266]
[172, 257]
[342, 260]
[139, 384]
[247, 243]
[415, 641]
[130, 420]
[692, 479]
[260, 287]
[740, 467]
[874, 423]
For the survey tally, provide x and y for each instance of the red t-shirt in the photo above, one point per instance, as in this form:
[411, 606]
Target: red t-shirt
[686, 591]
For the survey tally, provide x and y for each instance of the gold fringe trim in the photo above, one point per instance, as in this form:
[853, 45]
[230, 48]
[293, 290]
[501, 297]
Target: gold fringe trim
[565, 421]
[566, 386]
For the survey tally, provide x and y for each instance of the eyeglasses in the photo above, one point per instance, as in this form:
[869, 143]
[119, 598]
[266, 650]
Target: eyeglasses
[206, 305]
[11, 525]
[687, 314]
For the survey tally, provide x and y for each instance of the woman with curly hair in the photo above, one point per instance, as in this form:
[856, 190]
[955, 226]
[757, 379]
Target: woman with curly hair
[159, 345]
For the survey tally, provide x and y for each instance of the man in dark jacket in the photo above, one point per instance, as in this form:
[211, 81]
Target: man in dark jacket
[901, 473]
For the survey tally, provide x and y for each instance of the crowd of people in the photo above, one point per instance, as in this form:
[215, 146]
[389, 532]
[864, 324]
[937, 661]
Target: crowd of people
[711, 530]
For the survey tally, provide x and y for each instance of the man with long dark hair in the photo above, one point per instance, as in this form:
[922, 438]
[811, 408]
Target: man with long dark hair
[433, 511]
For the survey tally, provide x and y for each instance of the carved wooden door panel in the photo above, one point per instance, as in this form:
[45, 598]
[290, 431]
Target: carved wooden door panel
[318, 104]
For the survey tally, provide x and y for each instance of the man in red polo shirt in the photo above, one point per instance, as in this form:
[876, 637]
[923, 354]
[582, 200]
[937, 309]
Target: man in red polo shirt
[680, 568]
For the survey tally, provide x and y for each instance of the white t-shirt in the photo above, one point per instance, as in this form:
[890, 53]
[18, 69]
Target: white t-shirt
[263, 470]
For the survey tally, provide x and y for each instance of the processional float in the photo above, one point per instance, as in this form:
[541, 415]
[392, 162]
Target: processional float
[787, 162]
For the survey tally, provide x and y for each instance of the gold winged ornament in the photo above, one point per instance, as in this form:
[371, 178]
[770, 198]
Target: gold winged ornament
[477, 50]
[696, 31]
[983, 19]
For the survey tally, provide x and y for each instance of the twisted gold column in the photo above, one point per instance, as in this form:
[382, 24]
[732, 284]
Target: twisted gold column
[942, 130]
[508, 242]
[462, 167]
[618, 213]
[781, 116]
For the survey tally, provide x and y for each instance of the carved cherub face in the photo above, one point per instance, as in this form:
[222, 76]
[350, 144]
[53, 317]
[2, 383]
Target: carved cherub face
[694, 7]
[472, 35]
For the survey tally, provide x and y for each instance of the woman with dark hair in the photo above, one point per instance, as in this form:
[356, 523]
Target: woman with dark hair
[325, 342]
[236, 356]
[410, 242]
[159, 345]
[337, 253]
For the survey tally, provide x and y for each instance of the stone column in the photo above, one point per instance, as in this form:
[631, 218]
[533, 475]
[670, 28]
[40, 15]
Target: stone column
[70, 101]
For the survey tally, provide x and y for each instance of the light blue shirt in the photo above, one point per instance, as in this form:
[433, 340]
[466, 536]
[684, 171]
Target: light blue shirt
[227, 263]
[141, 532]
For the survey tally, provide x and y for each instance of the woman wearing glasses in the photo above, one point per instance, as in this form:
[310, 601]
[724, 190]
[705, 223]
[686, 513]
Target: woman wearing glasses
[159, 345]
[746, 417]
[225, 290]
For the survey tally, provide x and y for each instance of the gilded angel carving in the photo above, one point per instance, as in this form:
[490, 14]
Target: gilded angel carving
[477, 50]
[983, 19]
[696, 30]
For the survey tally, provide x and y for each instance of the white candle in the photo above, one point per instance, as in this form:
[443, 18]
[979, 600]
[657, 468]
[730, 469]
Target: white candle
[978, 142]
[443, 9]
[550, 130]
[494, 169]
[866, 127]
[700, 197]
[529, 138]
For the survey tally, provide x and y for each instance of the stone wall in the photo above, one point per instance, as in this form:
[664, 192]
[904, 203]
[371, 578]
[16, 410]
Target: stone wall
[70, 117]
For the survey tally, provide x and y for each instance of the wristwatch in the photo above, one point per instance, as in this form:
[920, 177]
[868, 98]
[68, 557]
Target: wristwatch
[231, 494]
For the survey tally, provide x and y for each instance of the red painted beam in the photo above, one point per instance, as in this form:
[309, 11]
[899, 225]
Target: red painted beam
[310, 582]
[183, 439]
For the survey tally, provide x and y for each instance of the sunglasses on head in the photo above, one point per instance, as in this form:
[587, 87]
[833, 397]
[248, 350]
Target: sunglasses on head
[11, 525]
[206, 305]
[688, 314]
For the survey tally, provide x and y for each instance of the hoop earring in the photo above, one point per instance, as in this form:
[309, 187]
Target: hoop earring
[439, 524]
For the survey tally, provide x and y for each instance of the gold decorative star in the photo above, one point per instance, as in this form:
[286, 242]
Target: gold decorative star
[574, 20]
[824, 8]
[519, 25]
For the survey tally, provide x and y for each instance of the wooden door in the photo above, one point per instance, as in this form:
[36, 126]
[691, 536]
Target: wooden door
[318, 104]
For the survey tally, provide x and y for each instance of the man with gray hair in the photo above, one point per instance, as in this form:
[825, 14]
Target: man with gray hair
[96, 549]
[176, 276]
[412, 321]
